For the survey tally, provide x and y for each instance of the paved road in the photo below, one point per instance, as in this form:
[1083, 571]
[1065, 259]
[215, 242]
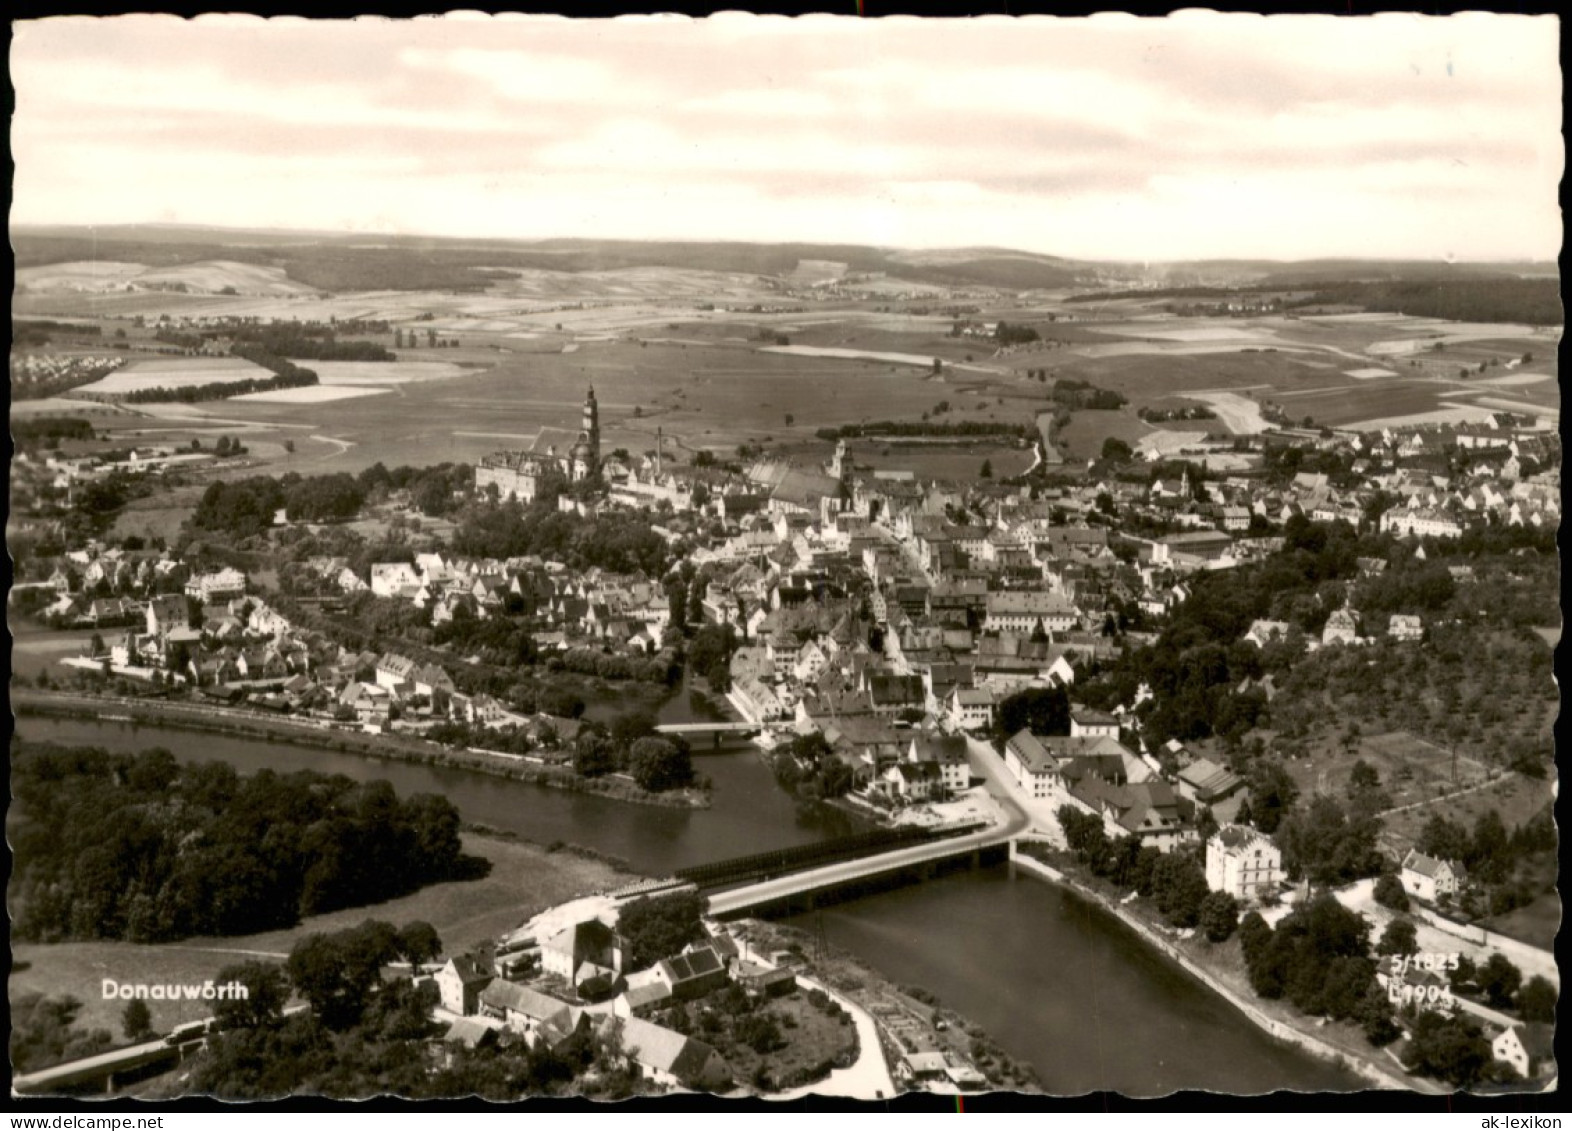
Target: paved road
[727, 902]
[1038, 813]
[1360, 897]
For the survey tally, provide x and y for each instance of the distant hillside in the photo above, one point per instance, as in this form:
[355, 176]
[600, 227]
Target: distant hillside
[360, 261]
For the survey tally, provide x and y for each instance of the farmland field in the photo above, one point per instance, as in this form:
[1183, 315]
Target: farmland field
[308, 394]
[383, 372]
[173, 373]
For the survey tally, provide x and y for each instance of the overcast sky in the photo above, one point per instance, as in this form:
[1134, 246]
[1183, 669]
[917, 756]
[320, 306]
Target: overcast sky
[1199, 136]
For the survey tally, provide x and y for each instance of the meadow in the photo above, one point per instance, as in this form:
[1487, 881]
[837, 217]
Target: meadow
[175, 373]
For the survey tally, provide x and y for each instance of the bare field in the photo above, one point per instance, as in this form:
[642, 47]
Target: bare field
[383, 372]
[176, 373]
[702, 398]
[1536, 924]
[308, 394]
[960, 462]
[1083, 437]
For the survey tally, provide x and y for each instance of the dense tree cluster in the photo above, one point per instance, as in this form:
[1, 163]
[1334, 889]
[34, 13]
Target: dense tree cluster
[323, 498]
[710, 652]
[622, 542]
[48, 431]
[1011, 334]
[1041, 710]
[1073, 394]
[810, 769]
[434, 491]
[962, 429]
[1328, 846]
[1174, 881]
[240, 508]
[44, 1032]
[308, 342]
[140, 847]
[1319, 959]
[1535, 301]
[1513, 867]
[655, 927]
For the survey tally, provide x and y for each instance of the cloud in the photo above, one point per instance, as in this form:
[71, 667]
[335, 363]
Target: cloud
[1200, 134]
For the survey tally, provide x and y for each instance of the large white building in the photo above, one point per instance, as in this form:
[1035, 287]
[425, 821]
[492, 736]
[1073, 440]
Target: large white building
[1243, 863]
[519, 474]
[1031, 763]
[1023, 611]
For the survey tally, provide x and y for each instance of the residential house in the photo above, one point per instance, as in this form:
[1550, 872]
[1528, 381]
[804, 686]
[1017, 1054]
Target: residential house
[1085, 723]
[671, 1060]
[971, 708]
[1427, 878]
[1529, 1048]
[585, 950]
[948, 753]
[692, 974]
[1403, 627]
[539, 1018]
[394, 670]
[1243, 863]
[210, 588]
[460, 983]
[1342, 627]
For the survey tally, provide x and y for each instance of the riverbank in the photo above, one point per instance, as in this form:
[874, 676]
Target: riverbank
[389, 747]
[1214, 978]
[906, 1020]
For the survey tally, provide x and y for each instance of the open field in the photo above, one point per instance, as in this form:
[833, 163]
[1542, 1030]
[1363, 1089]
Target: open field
[524, 879]
[1238, 414]
[383, 372]
[1515, 798]
[713, 398]
[210, 276]
[35, 650]
[1461, 414]
[959, 462]
[91, 275]
[703, 378]
[1536, 924]
[65, 406]
[78, 970]
[308, 394]
[1083, 437]
[173, 373]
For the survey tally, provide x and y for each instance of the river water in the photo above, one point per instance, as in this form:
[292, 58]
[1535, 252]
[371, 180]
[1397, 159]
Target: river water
[1057, 982]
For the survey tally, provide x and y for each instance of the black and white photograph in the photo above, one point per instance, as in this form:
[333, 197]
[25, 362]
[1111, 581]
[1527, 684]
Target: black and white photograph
[817, 560]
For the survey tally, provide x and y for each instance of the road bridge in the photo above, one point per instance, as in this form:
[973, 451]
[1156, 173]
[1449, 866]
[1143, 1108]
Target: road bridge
[801, 891]
[717, 731]
[102, 1072]
[709, 728]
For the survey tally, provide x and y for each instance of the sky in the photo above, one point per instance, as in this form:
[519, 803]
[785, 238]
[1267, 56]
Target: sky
[1196, 136]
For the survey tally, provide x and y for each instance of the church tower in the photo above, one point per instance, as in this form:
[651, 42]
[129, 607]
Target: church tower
[586, 451]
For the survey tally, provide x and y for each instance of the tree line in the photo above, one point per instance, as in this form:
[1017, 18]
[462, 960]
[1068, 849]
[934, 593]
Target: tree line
[964, 428]
[142, 848]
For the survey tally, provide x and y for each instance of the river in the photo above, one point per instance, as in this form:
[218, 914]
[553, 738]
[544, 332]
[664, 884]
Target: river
[1057, 982]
